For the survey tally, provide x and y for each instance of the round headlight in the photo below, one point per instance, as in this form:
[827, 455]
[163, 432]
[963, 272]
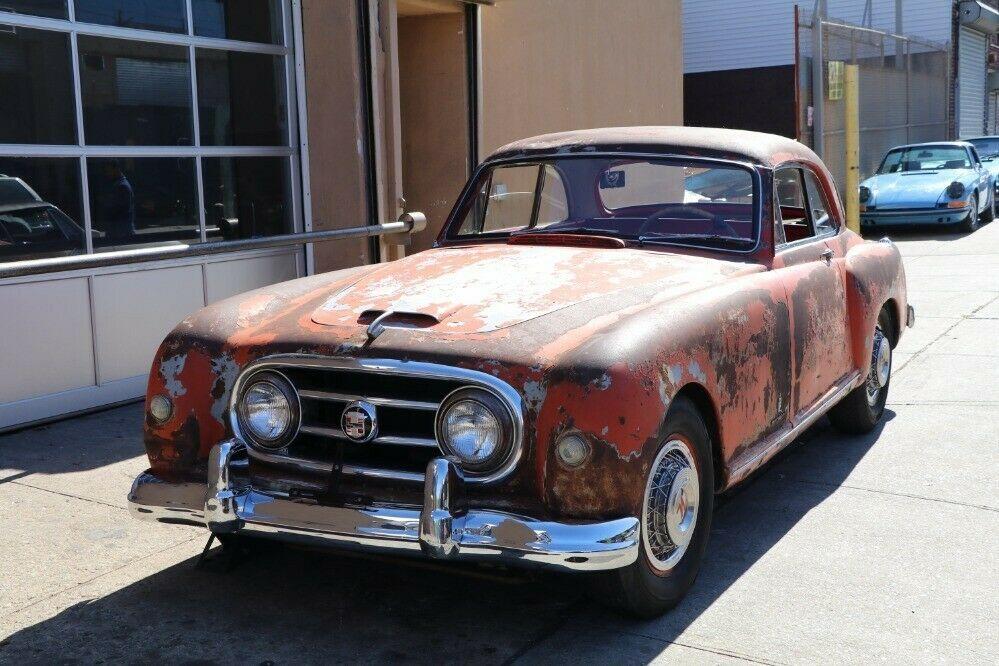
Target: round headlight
[268, 410]
[865, 194]
[572, 450]
[160, 408]
[955, 190]
[475, 427]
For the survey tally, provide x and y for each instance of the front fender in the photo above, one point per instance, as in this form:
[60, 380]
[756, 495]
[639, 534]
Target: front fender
[875, 277]
[731, 340]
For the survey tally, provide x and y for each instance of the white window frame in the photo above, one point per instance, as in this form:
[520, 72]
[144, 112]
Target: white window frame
[294, 151]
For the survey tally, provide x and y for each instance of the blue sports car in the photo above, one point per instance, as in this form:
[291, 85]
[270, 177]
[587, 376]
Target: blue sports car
[942, 183]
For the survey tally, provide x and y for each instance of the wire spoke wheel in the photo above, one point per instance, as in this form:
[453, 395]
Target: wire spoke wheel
[880, 371]
[669, 512]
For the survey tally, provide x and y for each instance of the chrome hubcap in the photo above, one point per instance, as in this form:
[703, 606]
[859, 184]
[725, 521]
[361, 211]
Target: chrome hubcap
[880, 372]
[669, 514]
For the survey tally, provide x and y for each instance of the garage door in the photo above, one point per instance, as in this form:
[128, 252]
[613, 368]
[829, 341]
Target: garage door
[971, 56]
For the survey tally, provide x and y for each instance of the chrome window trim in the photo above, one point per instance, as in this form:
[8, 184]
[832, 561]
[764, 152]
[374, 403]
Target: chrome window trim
[293, 152]
[503, 391]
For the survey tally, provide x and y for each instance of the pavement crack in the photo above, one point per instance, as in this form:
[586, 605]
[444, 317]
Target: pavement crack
[69, 495]
[827, 484]
[950, 328]
[547, 632]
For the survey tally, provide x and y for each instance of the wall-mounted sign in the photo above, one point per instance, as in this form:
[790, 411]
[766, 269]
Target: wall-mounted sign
[835, 86]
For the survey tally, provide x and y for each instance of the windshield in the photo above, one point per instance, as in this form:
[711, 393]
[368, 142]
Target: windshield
[987, 148]
[637, 199]
[925, 158]
[13, 192]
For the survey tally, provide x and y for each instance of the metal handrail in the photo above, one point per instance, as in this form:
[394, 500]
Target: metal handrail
[408, 223]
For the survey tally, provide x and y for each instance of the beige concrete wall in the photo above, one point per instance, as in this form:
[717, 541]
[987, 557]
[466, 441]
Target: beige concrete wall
[552, 65]
[337, 160]
[434, 102]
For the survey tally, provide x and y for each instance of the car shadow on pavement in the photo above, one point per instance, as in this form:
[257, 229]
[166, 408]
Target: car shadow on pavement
[281, 604]
[77, 444]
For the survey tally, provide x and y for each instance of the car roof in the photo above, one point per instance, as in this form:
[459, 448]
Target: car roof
[741, 145]
[927, 144]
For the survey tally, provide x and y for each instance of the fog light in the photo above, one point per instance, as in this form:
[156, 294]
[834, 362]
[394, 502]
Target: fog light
[160, 408]
[572, 450]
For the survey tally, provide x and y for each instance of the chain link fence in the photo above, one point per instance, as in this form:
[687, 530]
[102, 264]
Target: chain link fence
[903, 90]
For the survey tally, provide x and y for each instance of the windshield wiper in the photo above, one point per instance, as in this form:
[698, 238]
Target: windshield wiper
[673, 238]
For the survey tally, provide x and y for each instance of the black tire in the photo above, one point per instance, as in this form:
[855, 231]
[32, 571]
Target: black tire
[970, 223]
[856, 414]
[989, 213]
[640, 589]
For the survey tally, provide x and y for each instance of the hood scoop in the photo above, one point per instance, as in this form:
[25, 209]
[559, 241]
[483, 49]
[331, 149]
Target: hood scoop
[378, 320]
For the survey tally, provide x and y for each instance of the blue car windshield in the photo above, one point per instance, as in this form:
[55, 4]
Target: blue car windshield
[925, 158]
[987, 148]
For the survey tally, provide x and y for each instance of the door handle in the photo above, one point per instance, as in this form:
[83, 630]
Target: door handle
[827, 254]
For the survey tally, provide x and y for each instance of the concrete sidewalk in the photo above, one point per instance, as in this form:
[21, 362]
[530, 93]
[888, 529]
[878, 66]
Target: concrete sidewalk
[882, 548]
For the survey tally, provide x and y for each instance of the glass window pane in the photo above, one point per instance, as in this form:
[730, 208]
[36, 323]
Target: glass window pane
[243, 20]
[135, 93]
[241, 99]
[49, 8]
[818, 204]
[511, 198]
[553, 205]
[246, 197]
[36, 87]
[163, 15]
[40, 208]
[142, 200]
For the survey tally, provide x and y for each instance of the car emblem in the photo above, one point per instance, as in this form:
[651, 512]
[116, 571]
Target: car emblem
[359, 421]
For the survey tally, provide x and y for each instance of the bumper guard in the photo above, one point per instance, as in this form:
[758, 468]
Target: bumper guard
[442, 529]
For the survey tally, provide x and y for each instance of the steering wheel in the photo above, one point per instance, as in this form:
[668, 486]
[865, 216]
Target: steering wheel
[718, 225]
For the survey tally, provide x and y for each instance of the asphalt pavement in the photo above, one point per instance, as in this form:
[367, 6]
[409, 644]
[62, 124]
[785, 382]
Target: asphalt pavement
[883, 548]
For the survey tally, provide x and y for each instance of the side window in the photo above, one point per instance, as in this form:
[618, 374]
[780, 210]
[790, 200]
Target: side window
[818, 205]
[975, 159]
[791, 203]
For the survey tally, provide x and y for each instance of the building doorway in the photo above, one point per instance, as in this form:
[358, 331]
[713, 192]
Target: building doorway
[435, 105]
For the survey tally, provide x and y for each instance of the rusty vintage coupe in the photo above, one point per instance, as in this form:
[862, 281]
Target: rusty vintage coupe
[613, 326]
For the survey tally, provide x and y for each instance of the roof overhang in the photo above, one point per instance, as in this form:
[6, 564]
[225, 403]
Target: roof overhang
[978, 16]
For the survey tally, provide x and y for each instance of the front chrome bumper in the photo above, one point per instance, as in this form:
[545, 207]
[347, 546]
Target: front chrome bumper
[920, 216]
[442, 529]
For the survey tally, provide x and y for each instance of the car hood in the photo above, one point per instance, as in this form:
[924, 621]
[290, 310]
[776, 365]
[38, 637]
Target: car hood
[914, 189]
[483, 288]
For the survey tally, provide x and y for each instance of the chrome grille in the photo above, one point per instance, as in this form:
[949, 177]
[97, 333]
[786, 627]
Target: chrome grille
[405, 395]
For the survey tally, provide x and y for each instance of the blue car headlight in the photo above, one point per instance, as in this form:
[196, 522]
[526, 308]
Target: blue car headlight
[955, 190]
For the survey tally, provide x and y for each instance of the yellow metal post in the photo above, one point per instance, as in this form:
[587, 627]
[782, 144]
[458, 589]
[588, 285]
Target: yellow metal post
[851, 103]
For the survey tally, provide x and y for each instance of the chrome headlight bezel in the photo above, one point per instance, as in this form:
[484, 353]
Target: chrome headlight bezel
[499, 410]
[285, 388]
